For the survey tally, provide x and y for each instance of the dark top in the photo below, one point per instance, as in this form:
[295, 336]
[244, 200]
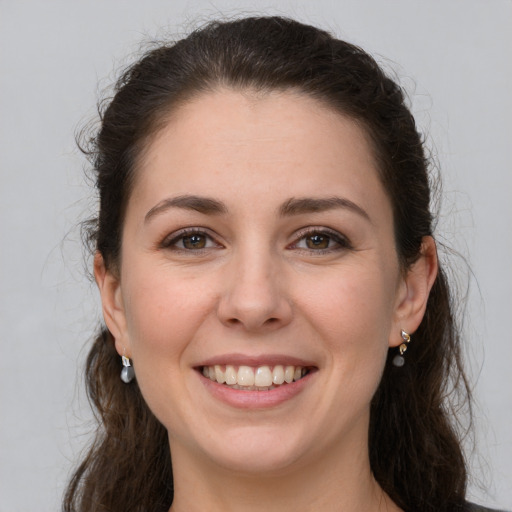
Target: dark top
[469, 507]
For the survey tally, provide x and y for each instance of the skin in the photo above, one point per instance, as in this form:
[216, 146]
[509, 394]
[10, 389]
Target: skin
[259, 288]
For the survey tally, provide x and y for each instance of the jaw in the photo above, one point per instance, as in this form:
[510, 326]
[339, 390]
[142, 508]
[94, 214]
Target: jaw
[267, 466]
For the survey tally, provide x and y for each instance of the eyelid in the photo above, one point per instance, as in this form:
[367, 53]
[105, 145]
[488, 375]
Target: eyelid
[171, 239]
[342, 241]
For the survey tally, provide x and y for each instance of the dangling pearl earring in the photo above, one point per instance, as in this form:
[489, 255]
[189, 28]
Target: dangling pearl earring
[399, 360]
[127, 373]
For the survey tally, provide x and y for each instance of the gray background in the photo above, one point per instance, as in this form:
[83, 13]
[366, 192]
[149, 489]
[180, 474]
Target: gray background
[452, 55]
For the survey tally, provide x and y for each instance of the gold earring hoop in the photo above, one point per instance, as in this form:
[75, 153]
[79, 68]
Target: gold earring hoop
[399, 359]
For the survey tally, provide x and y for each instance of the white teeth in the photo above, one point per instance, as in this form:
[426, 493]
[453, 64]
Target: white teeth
[251, 388]
[220, 376]
[289, 373]
[231, 374]
[249, 378]
[245, 376]
[278, 375]
[263, 377]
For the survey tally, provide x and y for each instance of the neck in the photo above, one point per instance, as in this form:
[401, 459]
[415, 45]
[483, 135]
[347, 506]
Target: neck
[328, 483]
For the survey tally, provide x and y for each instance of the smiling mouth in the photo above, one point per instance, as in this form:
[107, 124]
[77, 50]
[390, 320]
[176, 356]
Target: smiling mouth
[260, 378]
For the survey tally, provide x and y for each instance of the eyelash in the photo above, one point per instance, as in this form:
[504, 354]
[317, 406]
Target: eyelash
[171, 241]
[342, 243]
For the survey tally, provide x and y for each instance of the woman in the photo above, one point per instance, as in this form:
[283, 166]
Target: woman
[270, 286]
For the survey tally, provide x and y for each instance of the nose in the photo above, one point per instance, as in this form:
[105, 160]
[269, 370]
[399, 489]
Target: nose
[254, 296]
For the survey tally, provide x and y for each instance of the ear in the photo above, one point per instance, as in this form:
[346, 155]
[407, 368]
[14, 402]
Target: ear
[413, 292]
[109, 286]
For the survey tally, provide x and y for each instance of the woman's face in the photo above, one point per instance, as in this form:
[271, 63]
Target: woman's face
[258, 248]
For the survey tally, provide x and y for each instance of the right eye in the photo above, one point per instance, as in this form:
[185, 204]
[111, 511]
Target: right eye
[190, 240]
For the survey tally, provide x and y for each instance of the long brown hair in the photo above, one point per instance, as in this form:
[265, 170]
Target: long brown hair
[415, 450]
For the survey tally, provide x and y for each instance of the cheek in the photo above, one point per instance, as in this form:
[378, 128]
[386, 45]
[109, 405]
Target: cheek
[163, 312]
[353, 314]
[349, 314]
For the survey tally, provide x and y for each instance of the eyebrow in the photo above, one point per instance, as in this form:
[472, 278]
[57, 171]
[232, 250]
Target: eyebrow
[205, 205]
[297, 206]
[293, 206]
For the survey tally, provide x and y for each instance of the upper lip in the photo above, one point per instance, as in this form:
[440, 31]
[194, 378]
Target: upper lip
[237, 359]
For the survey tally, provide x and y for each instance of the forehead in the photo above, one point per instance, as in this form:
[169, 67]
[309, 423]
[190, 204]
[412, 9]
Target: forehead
[254, 147]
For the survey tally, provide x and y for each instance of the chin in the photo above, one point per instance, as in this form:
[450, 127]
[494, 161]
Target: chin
[257, 450]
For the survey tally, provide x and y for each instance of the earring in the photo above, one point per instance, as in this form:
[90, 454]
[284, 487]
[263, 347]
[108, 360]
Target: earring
[399, 360]
[127, 373]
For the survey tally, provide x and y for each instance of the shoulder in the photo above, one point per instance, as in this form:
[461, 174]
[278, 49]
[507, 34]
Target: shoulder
[472, 507]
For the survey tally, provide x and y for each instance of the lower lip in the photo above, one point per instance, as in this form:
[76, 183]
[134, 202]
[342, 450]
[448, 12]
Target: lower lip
[256, 399]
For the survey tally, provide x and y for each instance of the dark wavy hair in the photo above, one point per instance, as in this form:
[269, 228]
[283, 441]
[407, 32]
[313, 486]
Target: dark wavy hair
[414, 443]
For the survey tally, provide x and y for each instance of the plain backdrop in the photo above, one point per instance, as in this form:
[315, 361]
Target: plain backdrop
[453, 57]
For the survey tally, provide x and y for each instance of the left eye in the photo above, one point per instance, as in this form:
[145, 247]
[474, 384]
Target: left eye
[321, 241]
[194, 241]
[317, 241]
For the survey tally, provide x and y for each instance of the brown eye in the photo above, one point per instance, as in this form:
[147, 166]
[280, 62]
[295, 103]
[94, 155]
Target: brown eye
[321, 241]
[317, 241]
[196, 241]
[190, 241]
